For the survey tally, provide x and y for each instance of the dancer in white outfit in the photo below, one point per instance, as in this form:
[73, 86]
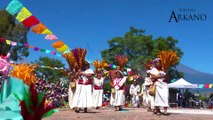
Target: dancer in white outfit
[112, 95]
[71, 88]
[118, 84]
[97, 95]
[73, 76]
[134, 92]
[162, 91]
[83, 94]
[149, 100]
[143, 94]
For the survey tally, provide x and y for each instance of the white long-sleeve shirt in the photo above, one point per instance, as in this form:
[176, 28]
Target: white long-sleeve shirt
[133, 90]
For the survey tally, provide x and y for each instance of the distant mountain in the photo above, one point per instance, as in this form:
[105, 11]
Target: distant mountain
[195, 76]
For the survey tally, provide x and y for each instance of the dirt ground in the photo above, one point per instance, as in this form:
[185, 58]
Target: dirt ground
[132, 114]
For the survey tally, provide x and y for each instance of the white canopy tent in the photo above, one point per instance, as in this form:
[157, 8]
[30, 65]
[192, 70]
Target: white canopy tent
[181, 83]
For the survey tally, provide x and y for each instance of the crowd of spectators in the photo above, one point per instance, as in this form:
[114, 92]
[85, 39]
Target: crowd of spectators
[57, 93]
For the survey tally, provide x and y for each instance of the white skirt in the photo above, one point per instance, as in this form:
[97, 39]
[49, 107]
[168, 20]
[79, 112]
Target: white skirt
[70, 96]
[83, 96]
[151, 102]
[97, 97]
[161, 94]
[119, 98]
[112, 99]
[148, 100]
[146, 97]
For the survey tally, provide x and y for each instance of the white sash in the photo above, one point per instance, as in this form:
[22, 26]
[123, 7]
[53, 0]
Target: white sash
[119, 83]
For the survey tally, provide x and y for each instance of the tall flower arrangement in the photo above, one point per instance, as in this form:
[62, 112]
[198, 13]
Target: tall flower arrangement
[121, 60]
[100, 64]
[79, 55]
[168, 58]
[147, 65]
[70, 60]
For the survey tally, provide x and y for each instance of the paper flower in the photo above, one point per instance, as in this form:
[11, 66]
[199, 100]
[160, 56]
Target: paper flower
[24, 72]
[33, 106]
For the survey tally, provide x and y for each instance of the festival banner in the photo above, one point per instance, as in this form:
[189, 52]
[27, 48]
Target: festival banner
[12, 43]
[206, 85]
[53, 52]
[63, 48]
[14, 7]
[47, 31]
[58, 44]
[48, 51]
[26, 18]
[39, 28]
[23, 14]
[201, 86]
[210, 85]
[53, 68]
[8, 42]
[51, 37]
[30, 21]
[55, 44]
[30, 46]
[58, 54]
[36, 49]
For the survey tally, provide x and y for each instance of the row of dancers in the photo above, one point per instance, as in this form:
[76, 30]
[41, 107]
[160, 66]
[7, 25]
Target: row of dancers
[86, 89]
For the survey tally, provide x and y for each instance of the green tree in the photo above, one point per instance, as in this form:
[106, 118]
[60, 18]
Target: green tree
[135, 45]
[11, 30]
[140, 48]
[51, 74]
